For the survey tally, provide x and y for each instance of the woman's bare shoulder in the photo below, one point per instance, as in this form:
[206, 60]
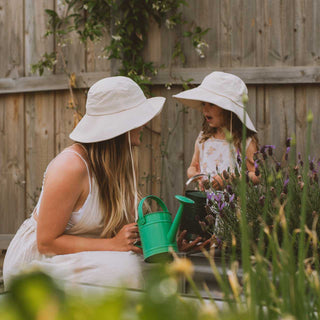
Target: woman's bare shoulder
[67, 165]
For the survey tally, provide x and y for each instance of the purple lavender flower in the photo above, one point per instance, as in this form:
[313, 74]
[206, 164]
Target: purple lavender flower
[263, 148]
[311, 164]
[270, 149]
[217, 197]
[278, 166]
[238, 157]
[229, 189]
[256, 171]
[287, 152]
[231, 198]
[288, 142]
[210, 195]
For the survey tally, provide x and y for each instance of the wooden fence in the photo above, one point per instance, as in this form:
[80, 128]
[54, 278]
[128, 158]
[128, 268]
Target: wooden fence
[273, 45]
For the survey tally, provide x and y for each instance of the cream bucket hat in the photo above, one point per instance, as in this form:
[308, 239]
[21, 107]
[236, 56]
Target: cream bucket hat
[225, 90]
[114, 106]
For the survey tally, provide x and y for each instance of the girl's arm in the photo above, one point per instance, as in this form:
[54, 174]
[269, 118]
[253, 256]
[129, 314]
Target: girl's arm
[194, 167]
[65, 190]
[252, 148]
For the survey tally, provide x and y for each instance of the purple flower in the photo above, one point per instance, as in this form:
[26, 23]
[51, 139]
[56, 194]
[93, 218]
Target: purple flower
[221, 205]
[256, 171]
[311, 164]
[270, 149]
[278, 166]
[231, 198]
[263, 148]
[210, 195]
[229, 189]
[238, 157]
[288, 142]
[217, 197]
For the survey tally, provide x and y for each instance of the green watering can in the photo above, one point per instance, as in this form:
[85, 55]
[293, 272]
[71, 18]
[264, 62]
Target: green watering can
[158, 231]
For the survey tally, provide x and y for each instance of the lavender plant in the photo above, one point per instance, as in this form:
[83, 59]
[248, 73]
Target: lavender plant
[264, 200]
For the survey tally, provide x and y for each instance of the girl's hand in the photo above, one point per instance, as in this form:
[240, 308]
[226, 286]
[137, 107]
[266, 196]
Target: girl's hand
[217, 182]
[126, 238]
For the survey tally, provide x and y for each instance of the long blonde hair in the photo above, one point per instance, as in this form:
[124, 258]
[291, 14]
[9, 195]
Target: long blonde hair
[111, 165]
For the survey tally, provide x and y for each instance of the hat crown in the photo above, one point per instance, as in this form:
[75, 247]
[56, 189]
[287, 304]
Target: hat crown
[113, 95]
[225, 84]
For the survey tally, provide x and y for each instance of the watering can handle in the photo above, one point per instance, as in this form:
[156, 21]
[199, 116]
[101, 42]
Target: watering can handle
[158, 200]
[197, 176]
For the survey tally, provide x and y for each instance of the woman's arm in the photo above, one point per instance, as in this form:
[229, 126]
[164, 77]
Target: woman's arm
[66, 187]
[252, 148]
[194, 167]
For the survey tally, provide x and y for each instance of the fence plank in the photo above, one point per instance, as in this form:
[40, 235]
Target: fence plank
[225, 34]
[280, 117]
[144, 156]
[74, 53]
[156, 150]
[12, 164]
[64, 118]
[36, 44]
[96, 59]
[172, 140]
[39, 111]
[250, 75]
[307, 52]
[11, 35]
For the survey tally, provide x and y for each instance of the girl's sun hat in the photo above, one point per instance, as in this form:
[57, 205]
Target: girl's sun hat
[225, 90]
[115, 105]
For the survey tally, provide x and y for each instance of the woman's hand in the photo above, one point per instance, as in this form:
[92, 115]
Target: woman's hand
[126, 238]
[194, 246]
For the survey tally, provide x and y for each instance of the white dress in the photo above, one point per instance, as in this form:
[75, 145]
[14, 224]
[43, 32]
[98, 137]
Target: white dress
[217, 155]
[110, 268]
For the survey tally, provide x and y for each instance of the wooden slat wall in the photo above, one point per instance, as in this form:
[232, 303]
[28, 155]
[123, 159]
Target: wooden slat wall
[34, 126]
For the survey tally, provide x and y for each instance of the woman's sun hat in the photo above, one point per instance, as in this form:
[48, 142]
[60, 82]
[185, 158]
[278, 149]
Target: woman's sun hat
[225, 90]
[115, 105]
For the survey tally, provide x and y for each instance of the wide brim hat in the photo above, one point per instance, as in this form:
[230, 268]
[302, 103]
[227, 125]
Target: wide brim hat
[224, 90]
[115, 105]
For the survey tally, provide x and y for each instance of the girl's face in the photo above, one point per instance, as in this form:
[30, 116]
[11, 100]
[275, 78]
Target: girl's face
[135, 136]
[215, 116]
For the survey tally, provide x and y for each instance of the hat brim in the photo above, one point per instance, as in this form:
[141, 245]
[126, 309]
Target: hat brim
[99, 128]
[193, 98]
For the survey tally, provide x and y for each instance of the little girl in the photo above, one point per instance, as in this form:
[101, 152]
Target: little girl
[220, 98]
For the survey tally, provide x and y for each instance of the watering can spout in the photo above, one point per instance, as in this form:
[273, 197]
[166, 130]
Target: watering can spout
[175, 224]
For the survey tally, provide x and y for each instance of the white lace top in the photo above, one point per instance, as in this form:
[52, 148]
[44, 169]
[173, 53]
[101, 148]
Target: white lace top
[217, 155]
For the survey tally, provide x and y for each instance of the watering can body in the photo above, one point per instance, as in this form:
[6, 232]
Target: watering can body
[158, 231]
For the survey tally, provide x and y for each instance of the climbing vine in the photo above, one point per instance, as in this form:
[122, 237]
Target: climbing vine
[128, 23]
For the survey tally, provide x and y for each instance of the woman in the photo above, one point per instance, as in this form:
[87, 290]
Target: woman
[83, 229]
